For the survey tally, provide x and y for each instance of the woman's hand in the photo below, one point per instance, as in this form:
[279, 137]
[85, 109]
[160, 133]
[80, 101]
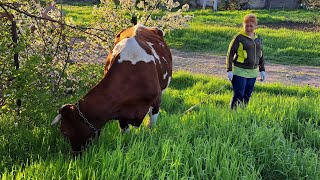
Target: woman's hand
[263, 76]
[230, 75]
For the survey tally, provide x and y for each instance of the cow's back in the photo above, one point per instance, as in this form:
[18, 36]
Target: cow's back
[153, 37]
[139, 42]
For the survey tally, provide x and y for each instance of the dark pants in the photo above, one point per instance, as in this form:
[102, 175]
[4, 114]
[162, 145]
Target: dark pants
[242, 90]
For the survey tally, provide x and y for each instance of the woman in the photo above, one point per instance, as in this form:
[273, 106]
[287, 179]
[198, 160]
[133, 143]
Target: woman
[245, 61]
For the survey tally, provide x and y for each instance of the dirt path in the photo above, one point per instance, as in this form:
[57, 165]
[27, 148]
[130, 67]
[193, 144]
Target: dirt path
[203, 63]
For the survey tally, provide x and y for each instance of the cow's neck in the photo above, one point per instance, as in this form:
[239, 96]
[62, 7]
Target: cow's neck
[85, 119]
[98, 104]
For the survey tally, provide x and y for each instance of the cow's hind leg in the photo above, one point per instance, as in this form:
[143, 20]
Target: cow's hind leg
[124, 126]
[153, 113]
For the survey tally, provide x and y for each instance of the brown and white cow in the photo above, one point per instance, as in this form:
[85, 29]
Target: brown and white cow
[137, 72]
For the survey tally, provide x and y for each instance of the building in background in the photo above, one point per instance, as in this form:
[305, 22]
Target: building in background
[274, 4]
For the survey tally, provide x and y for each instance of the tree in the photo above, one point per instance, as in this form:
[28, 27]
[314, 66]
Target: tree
[48, 44]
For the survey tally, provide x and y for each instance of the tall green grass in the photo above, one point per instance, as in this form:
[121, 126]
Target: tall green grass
[234, 18]
[280, 46]
[276, 136]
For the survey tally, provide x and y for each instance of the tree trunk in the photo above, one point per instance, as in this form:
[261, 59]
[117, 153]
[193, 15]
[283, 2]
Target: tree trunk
[15, 41]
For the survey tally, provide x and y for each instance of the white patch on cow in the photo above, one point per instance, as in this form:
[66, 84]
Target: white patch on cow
[136, 27]
[165, 75]
[164, 90]
[154, 52]
[153, 117]
[164, 59]
[130, 50]
[64, 106]
[161, 31]
[169, 80]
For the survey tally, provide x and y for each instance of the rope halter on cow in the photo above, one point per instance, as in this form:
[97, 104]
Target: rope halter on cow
[96, 131]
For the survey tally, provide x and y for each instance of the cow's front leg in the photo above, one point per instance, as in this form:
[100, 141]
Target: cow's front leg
[153, 113]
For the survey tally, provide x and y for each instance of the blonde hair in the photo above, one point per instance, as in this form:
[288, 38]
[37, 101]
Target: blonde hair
[250, 18]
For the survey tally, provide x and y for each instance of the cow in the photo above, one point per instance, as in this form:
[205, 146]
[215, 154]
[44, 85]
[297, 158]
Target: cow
[137, 71]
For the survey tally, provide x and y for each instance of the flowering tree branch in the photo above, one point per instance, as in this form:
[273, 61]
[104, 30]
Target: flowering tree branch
[48, 42]
[80, 28]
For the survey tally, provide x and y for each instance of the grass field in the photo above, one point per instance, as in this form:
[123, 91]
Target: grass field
[211, 32]
[277, 136]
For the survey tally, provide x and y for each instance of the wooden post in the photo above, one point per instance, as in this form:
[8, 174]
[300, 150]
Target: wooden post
[14, 36]
[16, 63]
[15, 42]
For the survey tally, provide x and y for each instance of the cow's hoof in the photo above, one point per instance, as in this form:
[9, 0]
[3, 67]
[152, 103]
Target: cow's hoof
[126, 130]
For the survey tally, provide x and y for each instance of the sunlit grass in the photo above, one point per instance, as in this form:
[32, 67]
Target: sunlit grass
[280, 46]
[80, 15]
[275, 137]
[234, 18]
[211, 32]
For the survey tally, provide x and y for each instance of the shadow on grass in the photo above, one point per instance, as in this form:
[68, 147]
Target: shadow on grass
[183, 80]
[281, 90]
[22, 144]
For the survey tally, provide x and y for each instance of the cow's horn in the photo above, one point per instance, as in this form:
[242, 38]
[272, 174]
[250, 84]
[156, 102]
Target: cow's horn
[56, 119]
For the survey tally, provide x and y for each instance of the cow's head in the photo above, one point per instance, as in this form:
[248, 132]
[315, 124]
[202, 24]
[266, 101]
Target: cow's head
[73, 127]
